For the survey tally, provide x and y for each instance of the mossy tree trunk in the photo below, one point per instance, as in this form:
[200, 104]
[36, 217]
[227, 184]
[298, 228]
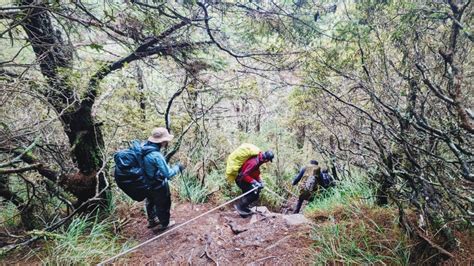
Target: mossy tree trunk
[85, 137]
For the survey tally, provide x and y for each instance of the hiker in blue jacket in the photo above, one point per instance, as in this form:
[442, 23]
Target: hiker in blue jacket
[158, 173]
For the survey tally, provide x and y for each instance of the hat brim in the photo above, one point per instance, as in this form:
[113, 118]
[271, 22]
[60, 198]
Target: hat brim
[160, 140]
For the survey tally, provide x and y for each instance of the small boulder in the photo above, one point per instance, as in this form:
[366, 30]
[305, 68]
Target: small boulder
[295, 219]
[253, 219]
[260, 209]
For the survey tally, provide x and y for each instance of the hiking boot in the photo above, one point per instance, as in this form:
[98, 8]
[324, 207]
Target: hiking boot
[153, 222]
[161, 227]
[244, 212]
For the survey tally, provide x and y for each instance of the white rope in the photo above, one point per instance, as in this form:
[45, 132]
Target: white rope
[276, 194]
[291, 193]
[174, 228]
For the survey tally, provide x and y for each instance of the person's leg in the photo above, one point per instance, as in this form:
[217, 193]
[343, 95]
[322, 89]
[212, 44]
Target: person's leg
[248, 199]
[298, 206]
[303, 196]
[151, 209]
[253, 197]
[163, 205]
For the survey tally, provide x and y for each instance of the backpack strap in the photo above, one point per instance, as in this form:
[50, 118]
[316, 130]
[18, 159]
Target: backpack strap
[144, 153]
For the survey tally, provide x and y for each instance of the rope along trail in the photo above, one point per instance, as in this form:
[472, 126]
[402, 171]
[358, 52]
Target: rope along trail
[175, 228]
[278, 196]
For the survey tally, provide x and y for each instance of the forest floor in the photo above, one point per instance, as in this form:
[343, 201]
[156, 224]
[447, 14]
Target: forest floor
[222, 237]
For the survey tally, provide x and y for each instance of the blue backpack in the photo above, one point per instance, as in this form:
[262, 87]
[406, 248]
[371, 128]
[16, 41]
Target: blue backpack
[326, 180]
[129, 174]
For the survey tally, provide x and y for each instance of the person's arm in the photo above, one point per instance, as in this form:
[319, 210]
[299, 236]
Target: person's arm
[163, 168]
[247, 178]
[299, 176]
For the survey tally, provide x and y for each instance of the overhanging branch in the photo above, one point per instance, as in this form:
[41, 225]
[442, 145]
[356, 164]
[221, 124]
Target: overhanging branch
[143, 51]
[19, 170]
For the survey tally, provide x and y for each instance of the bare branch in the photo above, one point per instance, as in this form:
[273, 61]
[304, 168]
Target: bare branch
[20, 170]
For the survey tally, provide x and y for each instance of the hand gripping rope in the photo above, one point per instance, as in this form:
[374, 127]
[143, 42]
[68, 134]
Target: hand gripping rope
[174, 228]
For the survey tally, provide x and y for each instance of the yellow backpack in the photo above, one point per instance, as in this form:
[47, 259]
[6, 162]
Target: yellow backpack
[237, 158]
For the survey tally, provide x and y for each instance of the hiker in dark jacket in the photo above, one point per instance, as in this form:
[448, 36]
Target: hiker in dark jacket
[158, 173]
[249, 178]
[308, 176]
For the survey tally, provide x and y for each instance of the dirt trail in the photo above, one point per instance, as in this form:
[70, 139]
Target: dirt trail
[223, 237]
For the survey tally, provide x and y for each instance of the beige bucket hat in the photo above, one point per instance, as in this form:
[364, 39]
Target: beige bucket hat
[159, 135]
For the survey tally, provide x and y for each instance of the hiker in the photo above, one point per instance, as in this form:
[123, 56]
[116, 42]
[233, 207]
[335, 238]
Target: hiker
[158, 173]
[309, 174]
[249, 178]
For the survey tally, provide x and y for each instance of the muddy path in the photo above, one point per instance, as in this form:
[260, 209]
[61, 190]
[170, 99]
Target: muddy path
[222, 238]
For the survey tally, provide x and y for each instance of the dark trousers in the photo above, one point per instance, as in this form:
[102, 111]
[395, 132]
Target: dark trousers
[158, 204]
[304, 195]
[249, 198]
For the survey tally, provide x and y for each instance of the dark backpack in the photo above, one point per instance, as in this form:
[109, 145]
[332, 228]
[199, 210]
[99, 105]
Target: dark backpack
[326, 180]
[129, 174]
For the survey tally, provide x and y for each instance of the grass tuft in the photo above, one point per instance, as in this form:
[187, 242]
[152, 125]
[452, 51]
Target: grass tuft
[350, 190]
[190, 188]
[365, 236]
[85, 241]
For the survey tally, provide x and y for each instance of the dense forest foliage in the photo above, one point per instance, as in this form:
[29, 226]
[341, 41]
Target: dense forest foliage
[380, 92]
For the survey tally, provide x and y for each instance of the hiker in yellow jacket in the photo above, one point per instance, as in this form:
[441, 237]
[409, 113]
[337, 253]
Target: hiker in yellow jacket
[243, 168]
[249, 178]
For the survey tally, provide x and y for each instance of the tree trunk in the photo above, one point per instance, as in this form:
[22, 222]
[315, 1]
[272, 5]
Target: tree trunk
[141, 93]
[332, 157]
[85, 137]
[86, 140]
[382, 194]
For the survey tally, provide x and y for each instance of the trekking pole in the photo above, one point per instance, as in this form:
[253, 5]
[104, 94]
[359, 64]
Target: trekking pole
[175, 228]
